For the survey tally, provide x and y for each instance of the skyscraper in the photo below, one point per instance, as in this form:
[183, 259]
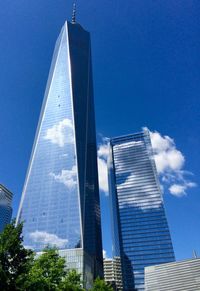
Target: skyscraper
[140, 231]
[60, 199]
[5, 206]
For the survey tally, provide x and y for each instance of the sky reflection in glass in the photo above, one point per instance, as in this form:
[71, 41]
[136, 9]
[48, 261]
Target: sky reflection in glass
[140, 230]
[50, 202]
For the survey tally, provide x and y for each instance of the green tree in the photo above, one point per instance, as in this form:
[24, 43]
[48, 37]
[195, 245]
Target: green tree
[71, 282]
[21, 270]
[15, 260]
[48, 273]
[101, 285]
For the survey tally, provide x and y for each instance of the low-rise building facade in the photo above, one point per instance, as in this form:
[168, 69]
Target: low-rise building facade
[176, 276]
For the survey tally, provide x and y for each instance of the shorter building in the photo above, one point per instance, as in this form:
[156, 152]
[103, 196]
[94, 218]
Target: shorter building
[112, 272]
[176, 276]
[140, 230]
[5, 206]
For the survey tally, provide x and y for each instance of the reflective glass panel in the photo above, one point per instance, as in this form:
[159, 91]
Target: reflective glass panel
[140, 230]
[50, 205]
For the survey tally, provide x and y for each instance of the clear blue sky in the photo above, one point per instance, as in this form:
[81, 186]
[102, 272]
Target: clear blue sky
[146, 68]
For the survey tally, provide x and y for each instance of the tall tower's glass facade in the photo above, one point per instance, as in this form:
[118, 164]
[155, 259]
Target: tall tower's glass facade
[5, 206]
[140, 230]
[60, 200]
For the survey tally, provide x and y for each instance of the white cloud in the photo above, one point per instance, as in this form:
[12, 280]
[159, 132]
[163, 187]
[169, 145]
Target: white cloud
[167, 157]
[67, 177]
[60, 133]
[130, 179]
[103, 151]
[103, 175]
[169, 160]
[177, 190]
[146, 191]
[128, 144]
[28, 247]
[47, 239]
[160, 143]
[180, 190]
[102, 166]
[170, 163]
[104, 254]
[64, 155]
[133, 178]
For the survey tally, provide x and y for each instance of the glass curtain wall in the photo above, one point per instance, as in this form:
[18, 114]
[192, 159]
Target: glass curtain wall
[140, 230]
[5, 207]
[60, 200]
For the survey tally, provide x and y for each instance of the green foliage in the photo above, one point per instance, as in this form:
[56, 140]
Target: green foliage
[101, 285]
[20, 270]
[15, 260]
[47, 271]
[71, 282]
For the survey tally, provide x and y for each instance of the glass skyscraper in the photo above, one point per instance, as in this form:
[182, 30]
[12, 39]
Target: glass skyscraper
[5, 206]
[140, 231]
[60, 200]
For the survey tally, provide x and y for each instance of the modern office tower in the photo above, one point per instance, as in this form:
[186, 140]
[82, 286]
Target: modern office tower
[140, 231]
[112, 272]
[5, 206]
[176, 276]
[60, 200]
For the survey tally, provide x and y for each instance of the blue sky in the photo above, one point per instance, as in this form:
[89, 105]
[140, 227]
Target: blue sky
[146, 69]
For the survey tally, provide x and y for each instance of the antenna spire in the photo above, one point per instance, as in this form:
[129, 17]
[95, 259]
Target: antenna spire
[74, 14]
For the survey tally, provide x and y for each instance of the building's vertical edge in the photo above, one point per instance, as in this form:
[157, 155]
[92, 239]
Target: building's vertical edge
[84, 206]
[91, 122]
[113, 202]
[114, 210]
[80, 52]
[75, 141]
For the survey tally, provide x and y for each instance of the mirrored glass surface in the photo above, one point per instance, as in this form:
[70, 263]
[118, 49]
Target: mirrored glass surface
[51, 209]
[140, 229]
